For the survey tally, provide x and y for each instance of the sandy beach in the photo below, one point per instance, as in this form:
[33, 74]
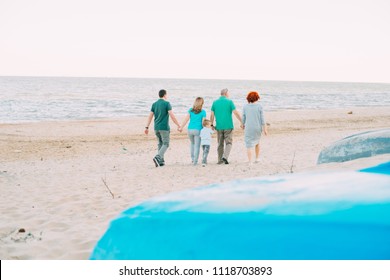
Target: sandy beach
[62, 182]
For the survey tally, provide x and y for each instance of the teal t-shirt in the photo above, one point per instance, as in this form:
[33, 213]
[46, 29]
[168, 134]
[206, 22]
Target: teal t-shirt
[196, 119]
[223, 108]
[160, 109]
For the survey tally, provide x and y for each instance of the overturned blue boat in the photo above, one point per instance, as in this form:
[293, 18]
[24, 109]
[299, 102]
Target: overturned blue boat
[307, 216]
[366, 144]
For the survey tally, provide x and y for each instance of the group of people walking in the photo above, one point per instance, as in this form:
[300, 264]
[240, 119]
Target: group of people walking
[200, 128]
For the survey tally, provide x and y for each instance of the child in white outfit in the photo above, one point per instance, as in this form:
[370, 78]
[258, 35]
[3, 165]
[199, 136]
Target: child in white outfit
[205, 140]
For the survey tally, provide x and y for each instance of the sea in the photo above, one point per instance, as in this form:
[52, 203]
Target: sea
[34, 99]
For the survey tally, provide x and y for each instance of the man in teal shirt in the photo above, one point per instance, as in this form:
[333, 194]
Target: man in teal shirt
[161, 111]
[222, 109]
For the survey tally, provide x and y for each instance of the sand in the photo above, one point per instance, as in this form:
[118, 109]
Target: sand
[62, 182]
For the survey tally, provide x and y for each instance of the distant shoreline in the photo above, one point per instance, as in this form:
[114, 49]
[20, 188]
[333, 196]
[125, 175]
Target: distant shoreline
[348, 110]
[192, 79]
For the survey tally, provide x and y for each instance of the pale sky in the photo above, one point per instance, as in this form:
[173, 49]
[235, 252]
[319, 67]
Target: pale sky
[305, 40]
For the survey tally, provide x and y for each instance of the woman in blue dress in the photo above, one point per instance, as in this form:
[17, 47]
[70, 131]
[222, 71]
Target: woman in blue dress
[254, 124]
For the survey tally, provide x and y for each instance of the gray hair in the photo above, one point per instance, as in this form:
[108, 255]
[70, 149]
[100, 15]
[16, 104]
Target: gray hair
[224, 91]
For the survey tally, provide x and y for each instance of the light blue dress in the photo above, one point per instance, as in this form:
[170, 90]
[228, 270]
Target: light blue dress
[253, 119]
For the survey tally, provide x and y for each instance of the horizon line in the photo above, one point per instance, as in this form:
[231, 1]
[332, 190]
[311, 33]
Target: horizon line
[167, 78]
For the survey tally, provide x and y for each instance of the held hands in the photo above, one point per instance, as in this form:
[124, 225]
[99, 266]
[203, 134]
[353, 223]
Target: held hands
[180, 129]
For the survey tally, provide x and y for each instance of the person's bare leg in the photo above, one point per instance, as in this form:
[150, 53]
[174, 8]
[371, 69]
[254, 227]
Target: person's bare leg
[249, 152]
[257, 152]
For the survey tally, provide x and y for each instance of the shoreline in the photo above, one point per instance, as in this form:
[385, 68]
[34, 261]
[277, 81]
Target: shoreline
[140, 117]
[57, 176]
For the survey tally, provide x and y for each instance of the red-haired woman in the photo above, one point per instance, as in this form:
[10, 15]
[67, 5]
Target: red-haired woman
[254, 124]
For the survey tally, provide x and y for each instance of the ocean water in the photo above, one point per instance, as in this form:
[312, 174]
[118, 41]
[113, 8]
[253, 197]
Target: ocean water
[26, 99]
